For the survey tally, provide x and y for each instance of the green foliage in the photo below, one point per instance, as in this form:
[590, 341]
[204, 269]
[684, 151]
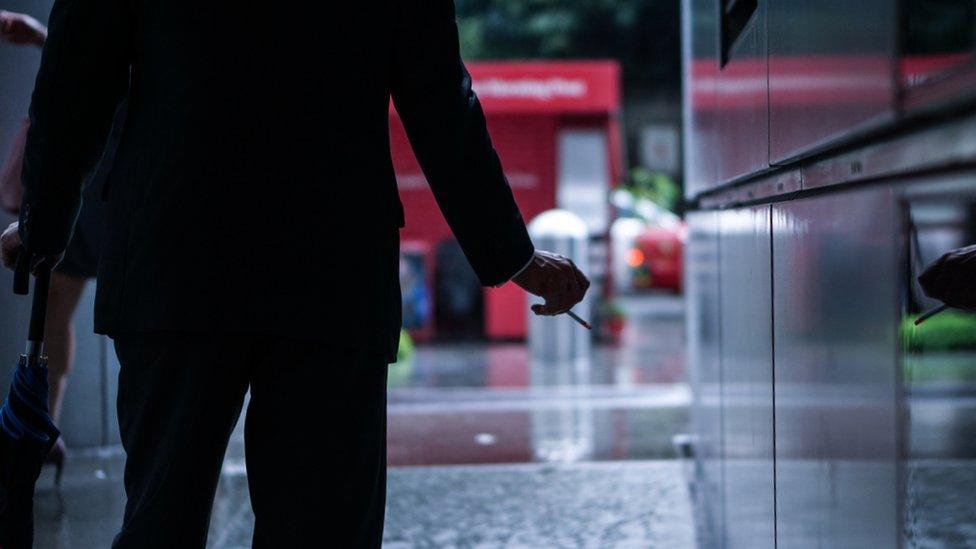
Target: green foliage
[950, 331]
[613, 309]
[656, 187]
[643, 34]
[407, 347]
[400, 373]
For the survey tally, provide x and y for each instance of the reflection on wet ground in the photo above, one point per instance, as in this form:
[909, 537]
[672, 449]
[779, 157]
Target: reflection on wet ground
[940, 507]
[481, 457]
[556, 425]
[939, 475]
[617, 416]
[651, 352]
[471, 404]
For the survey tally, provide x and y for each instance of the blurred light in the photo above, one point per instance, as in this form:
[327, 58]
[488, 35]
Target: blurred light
[485, 439]
[635, 258]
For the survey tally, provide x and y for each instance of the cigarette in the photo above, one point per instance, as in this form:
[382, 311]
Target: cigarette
[581, 322]
[930, 314]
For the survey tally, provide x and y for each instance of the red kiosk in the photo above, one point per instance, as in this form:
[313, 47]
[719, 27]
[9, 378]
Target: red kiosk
[556, 127]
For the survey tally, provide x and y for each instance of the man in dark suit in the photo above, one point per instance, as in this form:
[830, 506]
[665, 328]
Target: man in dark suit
[253, 238]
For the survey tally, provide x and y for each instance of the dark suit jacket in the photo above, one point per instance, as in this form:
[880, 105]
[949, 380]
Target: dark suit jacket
[253, 188]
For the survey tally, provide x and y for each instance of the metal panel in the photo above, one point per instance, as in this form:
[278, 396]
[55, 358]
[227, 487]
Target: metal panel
[705, 372]
[742, 102]
[835, 316]
[700, 43]
[831, 71]
[944, 146]
[747, 378]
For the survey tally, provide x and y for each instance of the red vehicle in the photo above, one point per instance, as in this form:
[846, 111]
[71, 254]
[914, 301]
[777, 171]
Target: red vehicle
[556, 127]
[656, 259]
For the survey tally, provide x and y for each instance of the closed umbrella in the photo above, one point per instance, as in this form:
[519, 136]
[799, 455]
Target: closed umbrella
[27, 432]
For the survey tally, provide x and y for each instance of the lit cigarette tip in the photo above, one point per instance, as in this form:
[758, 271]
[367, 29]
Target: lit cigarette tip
[581, 322]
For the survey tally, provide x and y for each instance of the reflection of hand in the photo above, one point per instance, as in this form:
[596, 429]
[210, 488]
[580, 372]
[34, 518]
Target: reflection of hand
[21, 29]
[11, 245]
[952, 279]
[555, 279]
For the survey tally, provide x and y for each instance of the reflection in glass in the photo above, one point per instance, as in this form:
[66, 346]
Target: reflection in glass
[938, 39]
[939, 380]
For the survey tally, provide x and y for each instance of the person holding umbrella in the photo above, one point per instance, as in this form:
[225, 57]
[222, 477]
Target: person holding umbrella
[252, 190]
[80, 263]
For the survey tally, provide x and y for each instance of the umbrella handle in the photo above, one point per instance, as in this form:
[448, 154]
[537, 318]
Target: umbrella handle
[22, 273]
[42, 285]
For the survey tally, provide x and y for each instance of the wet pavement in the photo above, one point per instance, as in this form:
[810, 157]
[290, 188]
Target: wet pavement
[477, 404]
[636, 504]
[480, 455]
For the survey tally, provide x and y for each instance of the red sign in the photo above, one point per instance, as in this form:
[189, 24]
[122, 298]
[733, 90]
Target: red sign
[527, 105]
[577, 87]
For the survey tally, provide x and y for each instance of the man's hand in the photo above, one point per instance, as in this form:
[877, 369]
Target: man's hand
[10, 245]
[21, 29]
[952, 279]
[555, 279]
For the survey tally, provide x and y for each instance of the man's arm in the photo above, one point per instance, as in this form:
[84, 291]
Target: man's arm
[442, 115]
[83, 76]
[444, 120]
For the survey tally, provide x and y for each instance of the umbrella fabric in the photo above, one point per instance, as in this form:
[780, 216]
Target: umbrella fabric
[26, 436]
[25, 411]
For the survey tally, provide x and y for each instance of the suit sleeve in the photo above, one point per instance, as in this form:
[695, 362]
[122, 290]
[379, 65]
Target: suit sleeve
[83, 76]
[446, 125]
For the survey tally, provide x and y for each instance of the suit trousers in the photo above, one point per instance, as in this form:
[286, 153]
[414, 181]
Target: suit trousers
[314, 435]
